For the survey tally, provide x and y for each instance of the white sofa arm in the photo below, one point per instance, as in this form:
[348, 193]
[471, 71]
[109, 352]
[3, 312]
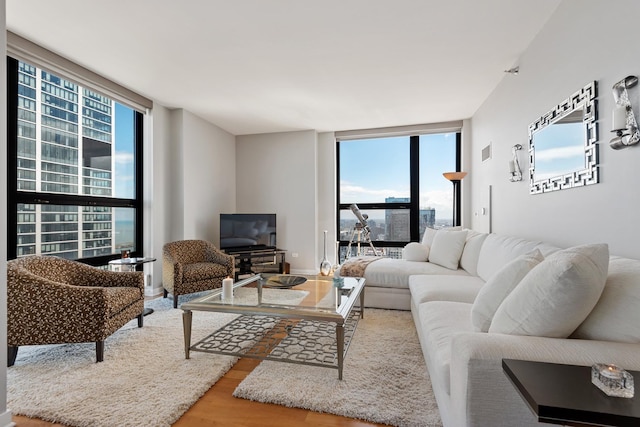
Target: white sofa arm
[482, 395]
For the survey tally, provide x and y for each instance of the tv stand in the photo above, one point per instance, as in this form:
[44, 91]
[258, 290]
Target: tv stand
[259, 260]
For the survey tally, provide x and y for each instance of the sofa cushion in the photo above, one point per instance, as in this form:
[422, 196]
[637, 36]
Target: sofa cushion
[471, 252]
[440, 321]
[557, 294]
[415, 251]
[427, 237]
[426, 288]
[447, 248]
[616, 316]
[499, 286]
[497, 250]
[395, 273]
[429, 233]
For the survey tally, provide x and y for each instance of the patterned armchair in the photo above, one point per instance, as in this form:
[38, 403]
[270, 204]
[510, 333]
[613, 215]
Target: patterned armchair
[52, 300]
[190, 266]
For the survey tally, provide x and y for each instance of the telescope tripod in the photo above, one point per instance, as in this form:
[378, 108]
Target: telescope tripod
[358, 238]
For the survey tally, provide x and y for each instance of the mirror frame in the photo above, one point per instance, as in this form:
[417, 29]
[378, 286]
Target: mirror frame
[584, 99]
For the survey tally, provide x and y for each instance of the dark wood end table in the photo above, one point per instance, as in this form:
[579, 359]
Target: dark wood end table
[564, 394]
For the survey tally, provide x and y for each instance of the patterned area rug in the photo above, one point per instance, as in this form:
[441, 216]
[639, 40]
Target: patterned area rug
[385, 377]
[144, 379]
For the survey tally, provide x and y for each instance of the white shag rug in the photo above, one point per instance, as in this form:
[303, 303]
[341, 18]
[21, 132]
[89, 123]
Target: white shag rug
[385, 379]
[144, 379]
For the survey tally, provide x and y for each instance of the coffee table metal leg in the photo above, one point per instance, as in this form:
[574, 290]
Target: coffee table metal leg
[362, 303]
[186, 326]
[340, 349]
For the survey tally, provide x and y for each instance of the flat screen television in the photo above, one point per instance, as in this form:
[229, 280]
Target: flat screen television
[240, 231]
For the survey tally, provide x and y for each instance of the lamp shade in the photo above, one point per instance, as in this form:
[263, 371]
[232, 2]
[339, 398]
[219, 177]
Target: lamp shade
[454, 176]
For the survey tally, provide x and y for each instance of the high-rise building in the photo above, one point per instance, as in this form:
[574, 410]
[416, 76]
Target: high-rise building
[427, 219]
[397, 220]
[65, 145]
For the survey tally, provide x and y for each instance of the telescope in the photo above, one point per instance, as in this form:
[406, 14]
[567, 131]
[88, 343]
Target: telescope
[361, 232]
[361, 217]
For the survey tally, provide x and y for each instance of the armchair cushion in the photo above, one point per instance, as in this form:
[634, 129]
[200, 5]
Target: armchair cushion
[203, 271]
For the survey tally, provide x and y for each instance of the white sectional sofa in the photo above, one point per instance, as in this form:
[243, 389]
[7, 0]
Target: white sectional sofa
[464, 362]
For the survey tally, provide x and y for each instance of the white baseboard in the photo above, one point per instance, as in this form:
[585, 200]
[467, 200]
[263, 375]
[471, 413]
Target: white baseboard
[6, 419]
[153, 291]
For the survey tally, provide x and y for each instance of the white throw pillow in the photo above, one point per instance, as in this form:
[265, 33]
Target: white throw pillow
[415, 251]
[557, 294]
[447, 248]
[429, 233]
[499, 286]
[427, 237]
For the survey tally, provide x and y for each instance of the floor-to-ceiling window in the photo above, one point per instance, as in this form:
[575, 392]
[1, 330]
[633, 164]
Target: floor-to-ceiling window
[75, 168]
[395, 184]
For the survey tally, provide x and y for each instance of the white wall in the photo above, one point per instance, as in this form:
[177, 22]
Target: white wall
[276, 173]
[326, 202]
[209, 169]
[584, 40]
[193, 169]
[158, 180]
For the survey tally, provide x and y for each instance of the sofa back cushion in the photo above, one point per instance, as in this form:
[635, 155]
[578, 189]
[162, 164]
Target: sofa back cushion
[471, 252]
[497, 250]
[557, 295]
[616, 316]
[499, 286]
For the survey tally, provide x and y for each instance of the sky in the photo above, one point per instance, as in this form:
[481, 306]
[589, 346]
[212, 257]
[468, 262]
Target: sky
[124, 159]
[559, 149]
[374, 169]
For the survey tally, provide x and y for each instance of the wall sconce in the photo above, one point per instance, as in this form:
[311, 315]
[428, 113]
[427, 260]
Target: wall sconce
[515, 171]
[455, 178]
[624, 121]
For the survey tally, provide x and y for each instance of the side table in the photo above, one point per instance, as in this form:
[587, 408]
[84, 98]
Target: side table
[131, 264]
[564, 394]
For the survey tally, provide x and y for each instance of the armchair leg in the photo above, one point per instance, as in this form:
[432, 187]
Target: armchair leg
[165, 293]
[12, 353]
[140, 320]
[99, 351]
[175, 301]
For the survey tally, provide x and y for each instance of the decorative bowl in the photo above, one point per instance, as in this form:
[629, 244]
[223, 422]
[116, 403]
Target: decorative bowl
[283, 281]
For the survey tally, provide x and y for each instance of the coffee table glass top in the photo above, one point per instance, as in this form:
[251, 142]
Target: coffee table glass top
[324, 299]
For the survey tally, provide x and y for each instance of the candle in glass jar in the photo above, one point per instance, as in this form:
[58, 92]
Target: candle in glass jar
[612, 371]
[227, 288]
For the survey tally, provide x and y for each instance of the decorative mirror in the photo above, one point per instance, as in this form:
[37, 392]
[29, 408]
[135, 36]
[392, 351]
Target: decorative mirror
[563, 144]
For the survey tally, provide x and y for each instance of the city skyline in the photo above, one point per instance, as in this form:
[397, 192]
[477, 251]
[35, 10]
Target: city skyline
[372, 170]
[72, 140]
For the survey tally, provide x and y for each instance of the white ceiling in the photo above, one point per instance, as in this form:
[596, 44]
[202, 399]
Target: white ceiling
[258, 66]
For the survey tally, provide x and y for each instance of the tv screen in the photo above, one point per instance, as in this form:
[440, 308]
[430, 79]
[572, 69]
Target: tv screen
[247, 231]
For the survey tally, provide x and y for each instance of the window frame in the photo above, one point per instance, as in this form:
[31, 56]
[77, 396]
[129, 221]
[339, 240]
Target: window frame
[16, 196]
[414, 181]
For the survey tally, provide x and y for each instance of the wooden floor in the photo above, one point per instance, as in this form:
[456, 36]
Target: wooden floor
[218, 407]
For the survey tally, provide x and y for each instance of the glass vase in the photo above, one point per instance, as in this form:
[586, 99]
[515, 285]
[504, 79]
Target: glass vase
[325, 265]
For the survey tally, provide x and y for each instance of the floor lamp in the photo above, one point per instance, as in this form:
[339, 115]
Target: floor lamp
[455, 178]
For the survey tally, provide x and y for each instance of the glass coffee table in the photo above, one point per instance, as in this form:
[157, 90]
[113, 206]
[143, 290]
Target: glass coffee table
[316, 331]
